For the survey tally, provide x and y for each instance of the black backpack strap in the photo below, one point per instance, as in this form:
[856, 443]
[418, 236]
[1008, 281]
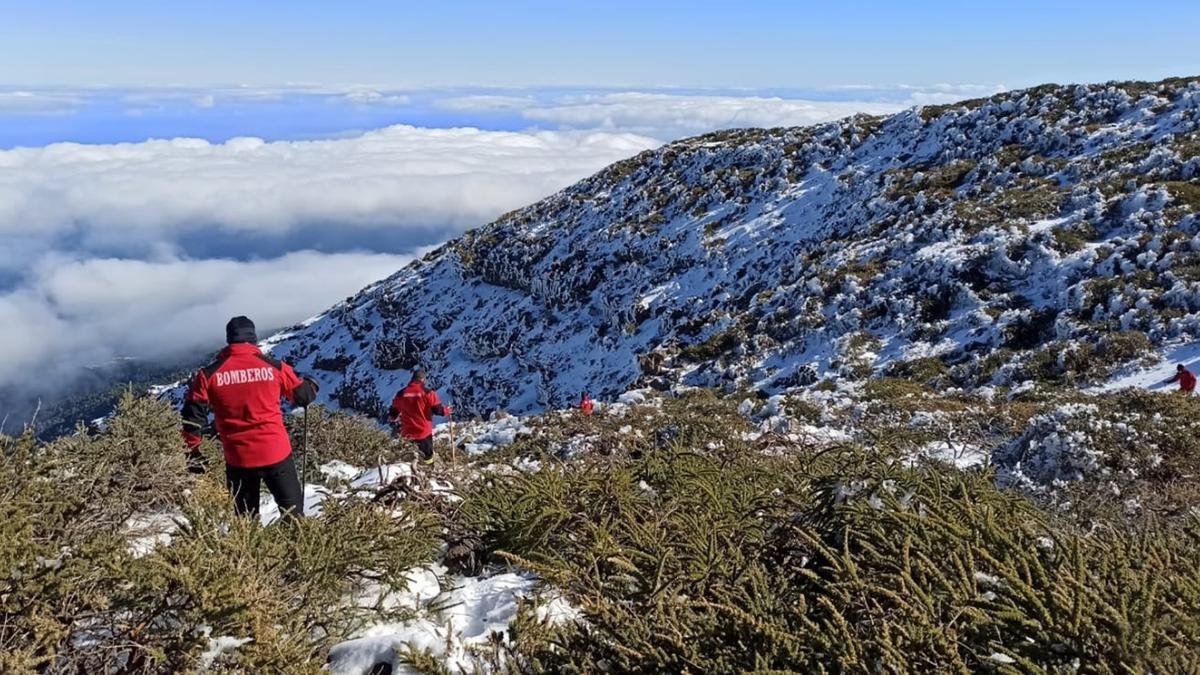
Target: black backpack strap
[212, 368]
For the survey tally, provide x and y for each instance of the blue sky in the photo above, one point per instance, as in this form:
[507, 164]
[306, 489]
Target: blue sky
[610, 43]
[126, 71]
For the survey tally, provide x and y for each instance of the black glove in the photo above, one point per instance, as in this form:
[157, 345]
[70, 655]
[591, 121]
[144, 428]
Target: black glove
[306, 392]
[196, 463]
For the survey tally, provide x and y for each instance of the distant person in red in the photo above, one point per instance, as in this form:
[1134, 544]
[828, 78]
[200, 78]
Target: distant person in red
[412, 414]
[242, 389]
[1185, 378]
[585, 405]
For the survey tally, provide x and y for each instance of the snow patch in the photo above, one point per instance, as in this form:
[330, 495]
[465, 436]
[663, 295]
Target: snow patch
[634, 397]
[147, 531]
[1154, 377]
[218, 647]
[481, 437]
[339, 470]
[314, 497]
[379, 476]
[451, 623]
[960, 455]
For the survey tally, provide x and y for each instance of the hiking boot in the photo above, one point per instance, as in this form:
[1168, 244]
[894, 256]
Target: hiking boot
[426, 461]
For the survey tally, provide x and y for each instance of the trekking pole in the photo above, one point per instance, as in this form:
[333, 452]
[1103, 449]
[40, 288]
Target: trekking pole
[304, 453]
[453, 449]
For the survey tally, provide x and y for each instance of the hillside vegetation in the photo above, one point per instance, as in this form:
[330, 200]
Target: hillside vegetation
[851, 529]
[1044, 234]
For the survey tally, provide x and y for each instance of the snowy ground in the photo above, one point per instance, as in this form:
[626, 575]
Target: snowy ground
[477, 438]
[455, 617]
[961, 455]
[1155, 377]
[147, 531]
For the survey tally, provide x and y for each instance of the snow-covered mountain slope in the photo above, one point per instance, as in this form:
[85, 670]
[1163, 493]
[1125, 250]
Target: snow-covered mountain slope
[1046, 233]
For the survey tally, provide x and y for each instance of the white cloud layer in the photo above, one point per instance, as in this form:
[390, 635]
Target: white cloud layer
[151, 192]
[147, 248]
[671, 115]
[695, 114]
[105, 114]
[77, 313]
[23, 102]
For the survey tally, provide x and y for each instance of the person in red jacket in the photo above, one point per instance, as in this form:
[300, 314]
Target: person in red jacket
[1185, 378]
[412, 414]
[585, 405]
[242, 389]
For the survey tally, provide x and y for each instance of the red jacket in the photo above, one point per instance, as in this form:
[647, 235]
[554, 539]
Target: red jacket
[414, 408]
[242, 388]
[1187, 381]
[585, 405]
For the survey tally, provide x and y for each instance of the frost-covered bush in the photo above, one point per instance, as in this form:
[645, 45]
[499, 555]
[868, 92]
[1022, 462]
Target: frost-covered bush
[1135, 445]
[1058, 446]
[62, 508]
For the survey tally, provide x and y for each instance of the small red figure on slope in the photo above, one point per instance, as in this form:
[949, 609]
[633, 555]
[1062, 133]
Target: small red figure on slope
[585, 405]
[412, 414]
[1185, 378]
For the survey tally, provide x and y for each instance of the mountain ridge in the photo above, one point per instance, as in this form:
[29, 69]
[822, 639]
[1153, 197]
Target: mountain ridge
[1041, 233]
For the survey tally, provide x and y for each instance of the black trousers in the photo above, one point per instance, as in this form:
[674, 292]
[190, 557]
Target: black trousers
[425, 447]
[281, 480]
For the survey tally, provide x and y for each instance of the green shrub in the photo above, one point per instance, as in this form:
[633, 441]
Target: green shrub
[688, 541]
[924, 370]
[865, 272]
[1069, 241]
[353, 439]
[284, 586]
[62, 507]
[1185, 195]
[735, 562]
[825, 385]
[1075, 361]
[891, 390]
[716, 345]
[74, 597]
[1123, 347]
[951, 175]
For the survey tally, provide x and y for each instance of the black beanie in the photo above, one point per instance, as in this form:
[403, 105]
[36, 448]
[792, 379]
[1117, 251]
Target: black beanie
[240, 329]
